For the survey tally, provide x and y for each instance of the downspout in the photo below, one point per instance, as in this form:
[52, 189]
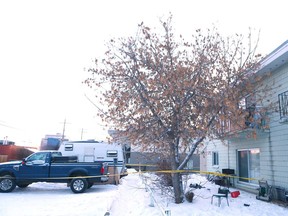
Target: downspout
[228, 154]
[271, 158]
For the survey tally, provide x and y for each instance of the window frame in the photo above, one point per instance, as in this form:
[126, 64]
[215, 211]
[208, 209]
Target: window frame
[283, 104]
[251, 165]
[215, 158]
[112, 153]
[68, 147]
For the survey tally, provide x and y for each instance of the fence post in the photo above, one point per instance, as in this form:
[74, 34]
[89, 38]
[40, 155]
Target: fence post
[151, 200]
[145, 183]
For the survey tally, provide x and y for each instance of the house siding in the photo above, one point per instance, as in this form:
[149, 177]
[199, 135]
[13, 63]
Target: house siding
[221, 148]
[279, 132]
[273, 142]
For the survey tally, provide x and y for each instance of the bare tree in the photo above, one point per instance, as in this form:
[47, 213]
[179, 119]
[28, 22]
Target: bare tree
[171, 94]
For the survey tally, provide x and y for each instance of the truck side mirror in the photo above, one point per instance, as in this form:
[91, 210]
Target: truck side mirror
[23, 161]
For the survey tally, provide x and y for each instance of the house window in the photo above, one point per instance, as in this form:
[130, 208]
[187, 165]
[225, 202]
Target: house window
[283, 104]
[68, 147]
[256, 115]
[249, 165]
[215, 158]
[190, 164]
[248, 102]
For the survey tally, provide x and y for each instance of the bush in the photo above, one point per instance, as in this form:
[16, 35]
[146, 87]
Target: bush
[165, 178]
[189, 195]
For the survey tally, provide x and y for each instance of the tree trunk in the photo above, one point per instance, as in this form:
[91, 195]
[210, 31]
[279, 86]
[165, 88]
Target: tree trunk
[177, 187]
[176, 176]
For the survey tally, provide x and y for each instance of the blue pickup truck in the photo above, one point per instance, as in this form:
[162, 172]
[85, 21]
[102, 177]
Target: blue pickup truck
[51, 166]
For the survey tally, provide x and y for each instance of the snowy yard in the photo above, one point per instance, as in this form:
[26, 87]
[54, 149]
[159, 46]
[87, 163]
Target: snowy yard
[131, 197]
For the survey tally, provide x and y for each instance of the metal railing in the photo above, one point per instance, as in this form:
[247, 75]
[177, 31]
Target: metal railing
[162, 208]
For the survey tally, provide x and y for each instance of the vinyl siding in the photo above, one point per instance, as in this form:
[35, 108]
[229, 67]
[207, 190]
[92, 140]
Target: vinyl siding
[221, 148]
[273, 143]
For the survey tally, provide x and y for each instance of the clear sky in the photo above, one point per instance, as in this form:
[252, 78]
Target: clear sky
[45, 47]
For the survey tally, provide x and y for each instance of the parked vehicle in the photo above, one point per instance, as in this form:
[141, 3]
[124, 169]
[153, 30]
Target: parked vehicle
[91, 150]
[51, 166]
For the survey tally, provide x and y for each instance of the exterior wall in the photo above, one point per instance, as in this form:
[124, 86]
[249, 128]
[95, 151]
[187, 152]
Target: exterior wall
[244, 141]
[149, 161]
[203, 161]
[222, 149]
[278, 174]
[273, 143]
[13, 152]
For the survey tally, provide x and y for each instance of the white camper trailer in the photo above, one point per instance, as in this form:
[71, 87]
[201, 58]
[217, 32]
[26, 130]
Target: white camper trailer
[91, 150]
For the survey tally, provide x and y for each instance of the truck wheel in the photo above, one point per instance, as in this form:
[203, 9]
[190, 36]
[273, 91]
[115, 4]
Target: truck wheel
[78, 185]
[22, 185]
[7, 184]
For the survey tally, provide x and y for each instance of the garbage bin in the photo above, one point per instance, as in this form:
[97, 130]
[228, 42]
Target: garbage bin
[228, 171]
[281, 194]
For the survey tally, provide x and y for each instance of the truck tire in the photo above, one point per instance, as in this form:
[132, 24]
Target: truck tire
[7, 184]
[78, 185]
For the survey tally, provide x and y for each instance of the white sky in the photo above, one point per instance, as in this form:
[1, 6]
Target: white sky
[45, 46]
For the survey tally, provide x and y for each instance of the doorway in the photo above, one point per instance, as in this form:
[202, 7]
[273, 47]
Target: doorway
[249, 165]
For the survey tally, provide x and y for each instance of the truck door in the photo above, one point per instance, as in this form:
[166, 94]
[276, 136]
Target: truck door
[35, 166]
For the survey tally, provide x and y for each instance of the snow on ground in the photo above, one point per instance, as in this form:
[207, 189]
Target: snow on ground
[45, 199]
[130, 197]
[139, 200]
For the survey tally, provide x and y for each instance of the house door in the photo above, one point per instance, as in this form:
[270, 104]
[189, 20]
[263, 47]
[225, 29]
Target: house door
[249, 165]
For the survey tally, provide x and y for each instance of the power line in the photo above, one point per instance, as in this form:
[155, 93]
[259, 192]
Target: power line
[8, 126]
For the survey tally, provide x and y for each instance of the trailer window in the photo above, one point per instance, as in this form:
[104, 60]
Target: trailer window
[112, 153]
[68, 147]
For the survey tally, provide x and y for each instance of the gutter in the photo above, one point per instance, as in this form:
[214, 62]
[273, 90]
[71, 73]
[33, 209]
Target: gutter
[275, 59]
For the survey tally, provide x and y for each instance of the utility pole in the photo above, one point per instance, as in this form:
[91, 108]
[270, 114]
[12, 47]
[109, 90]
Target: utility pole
[82, 131]
[64, 125]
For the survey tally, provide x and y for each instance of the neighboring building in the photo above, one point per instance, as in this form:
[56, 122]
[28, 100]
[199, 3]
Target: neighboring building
[9, 151]
[149, 161]
[152, 161]
[52, 142]
[265, 155]
[6, 142]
